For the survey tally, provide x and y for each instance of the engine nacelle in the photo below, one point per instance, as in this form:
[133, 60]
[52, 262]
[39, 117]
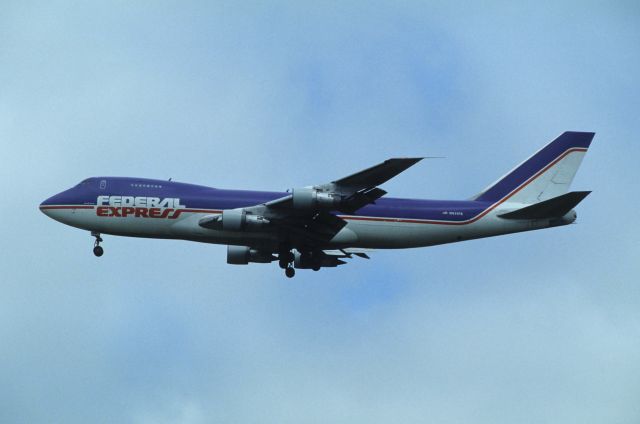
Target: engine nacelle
[242, 255]
[234, 220]
[310, 199]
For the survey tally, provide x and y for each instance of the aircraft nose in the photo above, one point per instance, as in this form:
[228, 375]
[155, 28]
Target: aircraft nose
[57, 206]
[47, 201]
[50, 204]
[47, 204]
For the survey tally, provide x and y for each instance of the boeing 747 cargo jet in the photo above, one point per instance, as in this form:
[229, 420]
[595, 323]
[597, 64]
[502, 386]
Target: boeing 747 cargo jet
[322, 225]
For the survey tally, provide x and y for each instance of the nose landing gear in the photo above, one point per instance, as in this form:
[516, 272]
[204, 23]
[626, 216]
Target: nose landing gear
[97, 249]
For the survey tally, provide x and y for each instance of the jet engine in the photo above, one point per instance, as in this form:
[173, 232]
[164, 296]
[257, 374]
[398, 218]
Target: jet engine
[311, 199]
[315, 260]
[234, 220]
[242, 255]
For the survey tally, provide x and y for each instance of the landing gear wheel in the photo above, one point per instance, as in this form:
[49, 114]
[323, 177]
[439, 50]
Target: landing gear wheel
[283, 264]
[98, 251]
[290, 272]
[316, 268]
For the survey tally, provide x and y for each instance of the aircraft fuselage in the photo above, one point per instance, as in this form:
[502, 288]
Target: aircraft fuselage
[139, 207]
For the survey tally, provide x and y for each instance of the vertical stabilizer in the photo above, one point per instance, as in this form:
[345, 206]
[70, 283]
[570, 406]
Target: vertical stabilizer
[545, 175]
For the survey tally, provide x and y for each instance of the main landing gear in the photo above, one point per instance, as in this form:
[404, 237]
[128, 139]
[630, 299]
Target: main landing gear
[286, 262]
[97, 249]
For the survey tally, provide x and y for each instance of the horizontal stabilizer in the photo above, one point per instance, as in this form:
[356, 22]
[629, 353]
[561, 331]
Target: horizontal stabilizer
[553, 208]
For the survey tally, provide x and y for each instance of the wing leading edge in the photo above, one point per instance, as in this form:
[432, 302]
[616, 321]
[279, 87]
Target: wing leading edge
[377, 174]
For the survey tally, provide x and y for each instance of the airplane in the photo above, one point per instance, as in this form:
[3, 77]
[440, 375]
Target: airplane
[321, 226]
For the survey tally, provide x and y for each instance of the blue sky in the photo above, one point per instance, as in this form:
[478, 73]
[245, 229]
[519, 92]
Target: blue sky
[536, 327]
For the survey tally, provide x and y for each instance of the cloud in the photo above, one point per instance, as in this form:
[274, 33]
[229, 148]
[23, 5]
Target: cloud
[530, 327]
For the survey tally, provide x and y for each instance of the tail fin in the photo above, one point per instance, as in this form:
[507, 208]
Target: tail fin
[545, 175]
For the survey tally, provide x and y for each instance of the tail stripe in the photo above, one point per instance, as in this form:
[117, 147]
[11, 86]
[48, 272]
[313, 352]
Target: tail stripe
[567, 143]
[540, 172]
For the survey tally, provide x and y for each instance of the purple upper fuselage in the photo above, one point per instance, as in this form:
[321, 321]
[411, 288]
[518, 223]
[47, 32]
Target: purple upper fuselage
[208, 198]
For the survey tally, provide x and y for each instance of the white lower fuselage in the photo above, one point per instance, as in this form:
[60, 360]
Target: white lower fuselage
[364, 232]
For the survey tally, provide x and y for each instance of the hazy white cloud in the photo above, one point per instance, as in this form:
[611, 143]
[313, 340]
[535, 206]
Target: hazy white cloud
[532, 327]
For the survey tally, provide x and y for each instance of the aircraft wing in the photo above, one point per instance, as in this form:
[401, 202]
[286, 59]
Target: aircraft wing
[348, 252]
[306, 213]
[336, 257]
[350, 193]
[377, 174]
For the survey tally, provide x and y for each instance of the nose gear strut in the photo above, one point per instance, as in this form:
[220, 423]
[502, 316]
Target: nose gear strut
[97, 249]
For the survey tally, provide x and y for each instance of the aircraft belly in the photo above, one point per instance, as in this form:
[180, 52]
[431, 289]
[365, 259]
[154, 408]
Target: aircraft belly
[381, 235]
[390, 235]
